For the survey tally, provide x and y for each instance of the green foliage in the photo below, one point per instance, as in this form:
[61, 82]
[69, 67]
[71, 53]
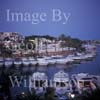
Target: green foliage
[38, 36]
[70, 42]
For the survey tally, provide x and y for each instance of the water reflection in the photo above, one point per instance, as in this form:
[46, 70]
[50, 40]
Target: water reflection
[91, 67]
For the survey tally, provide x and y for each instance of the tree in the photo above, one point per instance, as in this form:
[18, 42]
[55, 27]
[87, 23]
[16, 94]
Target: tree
[62, 37]
[67, 41]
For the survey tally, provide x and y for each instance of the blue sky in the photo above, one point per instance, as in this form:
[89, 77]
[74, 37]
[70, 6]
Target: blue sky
[84, 22]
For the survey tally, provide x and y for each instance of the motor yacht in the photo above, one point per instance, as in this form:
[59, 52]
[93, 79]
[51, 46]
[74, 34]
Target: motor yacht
[50, 60]
[62, 82]
[17, 62]
[42, 61]
[32, 61]
[83, 81]
[25, 61]
[8, 62]
[38, 81]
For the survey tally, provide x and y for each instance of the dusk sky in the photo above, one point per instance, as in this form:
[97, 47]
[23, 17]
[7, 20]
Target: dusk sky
[83, 22]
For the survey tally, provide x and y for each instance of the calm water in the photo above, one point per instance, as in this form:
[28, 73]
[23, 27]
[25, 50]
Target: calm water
[91, 67]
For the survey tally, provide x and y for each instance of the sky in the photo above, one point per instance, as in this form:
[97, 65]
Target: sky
[83, 23]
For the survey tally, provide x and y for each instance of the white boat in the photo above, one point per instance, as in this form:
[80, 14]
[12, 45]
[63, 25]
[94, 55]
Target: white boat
[61, 61]
[69, 60]
[62, 82]
[96, 80]
[1, 62]
[57, 59]
[25, 61]
[17, 62]
[75, 58]
[88, 56]
[38, 81]
[8, 62]
[83, 81]
[32, 61]
[82, 56]
[50, 60]
[56, 56]
[42, 61]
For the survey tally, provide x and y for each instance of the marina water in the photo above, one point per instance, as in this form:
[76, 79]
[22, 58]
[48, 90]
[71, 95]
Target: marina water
[91, 67]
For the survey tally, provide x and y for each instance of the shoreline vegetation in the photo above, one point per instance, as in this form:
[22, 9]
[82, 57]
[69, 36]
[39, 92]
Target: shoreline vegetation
[15, 45]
